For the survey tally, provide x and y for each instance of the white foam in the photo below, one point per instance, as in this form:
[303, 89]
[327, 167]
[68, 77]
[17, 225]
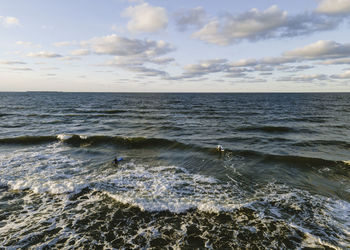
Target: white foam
[326, 212]
[167, 188]
[44, 170]
[64, 137]
[347, 162]
[312, 241]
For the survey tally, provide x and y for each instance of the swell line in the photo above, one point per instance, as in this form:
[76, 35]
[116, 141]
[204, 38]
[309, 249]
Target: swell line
[160, 143]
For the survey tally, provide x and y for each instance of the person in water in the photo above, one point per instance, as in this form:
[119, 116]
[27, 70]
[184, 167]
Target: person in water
[220, 149]
[117, 160]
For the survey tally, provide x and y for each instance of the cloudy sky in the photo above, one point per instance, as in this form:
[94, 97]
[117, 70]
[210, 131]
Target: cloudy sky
[175, 46]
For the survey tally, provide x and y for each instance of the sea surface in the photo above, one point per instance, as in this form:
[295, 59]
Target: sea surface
[282, 181]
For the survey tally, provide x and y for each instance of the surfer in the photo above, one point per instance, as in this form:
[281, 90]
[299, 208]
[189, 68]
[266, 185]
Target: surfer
[220, 149]
[117, 160]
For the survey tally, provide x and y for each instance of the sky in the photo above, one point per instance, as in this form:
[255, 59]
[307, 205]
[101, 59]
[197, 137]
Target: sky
[175, 46]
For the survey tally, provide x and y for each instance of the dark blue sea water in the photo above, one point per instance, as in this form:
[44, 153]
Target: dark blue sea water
[282, 181]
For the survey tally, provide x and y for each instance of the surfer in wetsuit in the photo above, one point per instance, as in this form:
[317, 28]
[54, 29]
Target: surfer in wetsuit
[220, 149]
[117, 160]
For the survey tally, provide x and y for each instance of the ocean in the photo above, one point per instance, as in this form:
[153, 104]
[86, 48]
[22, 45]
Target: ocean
[282, 181]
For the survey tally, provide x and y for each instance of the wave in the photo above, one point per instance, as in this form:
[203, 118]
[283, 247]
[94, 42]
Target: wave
[75, 140]
[93, 140]
[160, 143]
[28, 140]
[287, 160]
[130, 142]
[300, 160]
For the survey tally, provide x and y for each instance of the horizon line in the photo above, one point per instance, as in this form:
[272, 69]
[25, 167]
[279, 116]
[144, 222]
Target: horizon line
[175, 92]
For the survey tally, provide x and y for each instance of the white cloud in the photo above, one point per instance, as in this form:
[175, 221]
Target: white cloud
[270, 23]
[126, 47]
[334, 7]
[148, 71]
[12, 62]
[9, 21]
[211, 66]
[28, 44]
[336, 61]
[276, 60]
[236, 75]
[303, 67]
[146, 18]
[294, 69]
[306, 24]
[266, 73]
[263, 64]
[234, 69]
[192, 17]
[244, 63]
[132, 54]
[21, 69]
[263, 67]
[321, 50]
[23, 43]
[253, 80]
[288, 62]
[248, 25]
[80, 52]
[303, 78]
[345, 75]
[205, 67]
[44, 54]
[162, 60]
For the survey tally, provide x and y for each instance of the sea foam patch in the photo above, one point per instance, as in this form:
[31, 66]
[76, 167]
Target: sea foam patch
[41, 169]
[64, 137]
[167, 188]
[294, 205]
